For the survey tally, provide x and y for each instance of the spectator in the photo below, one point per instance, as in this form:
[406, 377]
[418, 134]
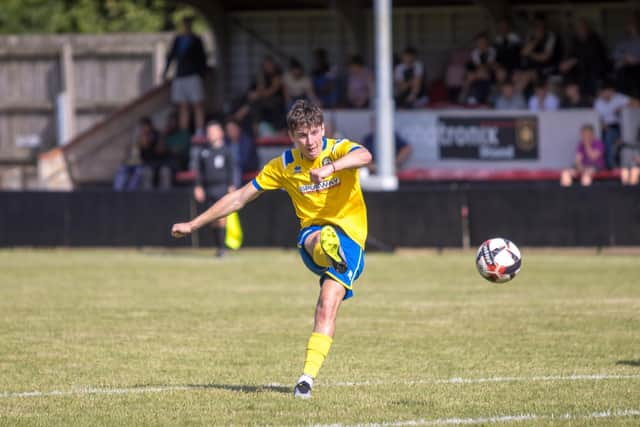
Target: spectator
[572, 98]
[142, 166]
[543, 100]
[409, 81]
[359, 83]
[177, 142]
[263, 107]
[588, 62]
[630, 162]
[609, 105]
[509, 98]
[402, 150]
[589, 159]
[297, 85]
[507, 45]
[480, 72]
[626, 56]
[187, 88]
[324, 79]
[214, 177]
[243, 150]
[542, 52]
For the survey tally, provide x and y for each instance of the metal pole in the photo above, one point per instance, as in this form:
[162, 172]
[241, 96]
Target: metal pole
[384, 139]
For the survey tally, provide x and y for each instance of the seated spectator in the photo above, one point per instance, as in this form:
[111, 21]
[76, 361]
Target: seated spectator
[264, 105]
[324, 81]
[402, 150]
[146, 158]
[409, 79]
[543, 99]
[509, 98]
[297, 85]
[480, 72]
[542, 52]
[454, 78]
[587, 62]
[507, 45]
[177, 142]
[243, 151]
[572, 98]
[609, 105]
[630, 162]
[589, 159]
[626, 56]
[359, 83]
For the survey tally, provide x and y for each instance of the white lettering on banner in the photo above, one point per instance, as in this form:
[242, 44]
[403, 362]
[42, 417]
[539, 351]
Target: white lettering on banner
[467, 135]
[486, 152]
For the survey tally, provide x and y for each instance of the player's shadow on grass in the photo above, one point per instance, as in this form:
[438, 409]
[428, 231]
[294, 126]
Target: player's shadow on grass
[629, 362]
[245, 388]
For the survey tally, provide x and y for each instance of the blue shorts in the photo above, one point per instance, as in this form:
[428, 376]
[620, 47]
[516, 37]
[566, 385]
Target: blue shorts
[353, 253]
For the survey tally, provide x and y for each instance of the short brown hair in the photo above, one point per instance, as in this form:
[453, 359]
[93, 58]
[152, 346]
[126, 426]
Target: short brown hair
[304, 114]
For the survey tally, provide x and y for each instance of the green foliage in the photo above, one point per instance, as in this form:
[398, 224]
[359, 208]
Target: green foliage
[91, 16]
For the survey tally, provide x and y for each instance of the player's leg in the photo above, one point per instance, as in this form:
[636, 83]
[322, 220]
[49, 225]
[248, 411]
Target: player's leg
[324, 247]
[331, 295]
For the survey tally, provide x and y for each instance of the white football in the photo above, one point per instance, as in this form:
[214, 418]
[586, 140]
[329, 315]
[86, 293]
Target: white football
[498, 260]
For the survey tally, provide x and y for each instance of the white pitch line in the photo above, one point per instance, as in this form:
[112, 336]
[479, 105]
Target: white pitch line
[495, 420]
[163, 389]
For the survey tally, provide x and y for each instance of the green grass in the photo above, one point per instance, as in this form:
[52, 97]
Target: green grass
[124, 319]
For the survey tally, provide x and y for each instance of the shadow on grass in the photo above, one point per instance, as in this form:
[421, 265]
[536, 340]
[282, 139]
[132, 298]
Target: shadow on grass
[629, 362]
[245, 388]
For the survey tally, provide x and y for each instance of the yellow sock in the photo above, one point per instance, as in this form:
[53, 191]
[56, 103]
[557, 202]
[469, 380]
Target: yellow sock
[319, 256]
[317, 349]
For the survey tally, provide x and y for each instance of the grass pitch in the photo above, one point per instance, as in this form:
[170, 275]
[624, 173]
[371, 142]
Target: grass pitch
[125, 337]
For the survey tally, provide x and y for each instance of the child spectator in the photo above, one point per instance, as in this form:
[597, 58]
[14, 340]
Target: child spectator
[542, 99]
[630, 162]
[177, 142]
[359, 83]
[509, 98]
[589, 159]
[409, 80]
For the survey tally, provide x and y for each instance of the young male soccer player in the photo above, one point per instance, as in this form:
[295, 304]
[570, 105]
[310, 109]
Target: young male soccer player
[321, 177]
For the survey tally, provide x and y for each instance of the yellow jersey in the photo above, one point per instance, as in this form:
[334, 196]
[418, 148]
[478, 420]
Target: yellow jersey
[335, 201]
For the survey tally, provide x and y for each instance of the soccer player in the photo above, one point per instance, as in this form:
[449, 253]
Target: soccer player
[321, 177]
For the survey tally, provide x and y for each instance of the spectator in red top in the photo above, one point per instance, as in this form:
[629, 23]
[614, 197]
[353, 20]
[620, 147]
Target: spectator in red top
[589, 159]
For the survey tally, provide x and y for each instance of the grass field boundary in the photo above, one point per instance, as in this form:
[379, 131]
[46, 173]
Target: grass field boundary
[267, 387]
[495, 420]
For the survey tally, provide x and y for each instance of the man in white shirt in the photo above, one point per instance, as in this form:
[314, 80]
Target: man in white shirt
[408, 79]
[609, 105]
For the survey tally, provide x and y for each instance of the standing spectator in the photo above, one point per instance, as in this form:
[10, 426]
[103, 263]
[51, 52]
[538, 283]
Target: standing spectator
[359, 83]
[542, 52]
[409, 80]
[587, 62]
[187, 87]
[609, 105]
[507, 45]
[177, 142]
[589, 159]
[543, 99]
[243, 150]
[509, 98]
[214, 177]
[297, 85]
[323, 77]
[572, 98]
[627, 61]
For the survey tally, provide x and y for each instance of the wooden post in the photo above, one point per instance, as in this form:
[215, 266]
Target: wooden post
[68, 86]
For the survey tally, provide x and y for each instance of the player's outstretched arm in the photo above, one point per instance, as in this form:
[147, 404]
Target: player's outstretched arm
[353, 160]
[231, 202]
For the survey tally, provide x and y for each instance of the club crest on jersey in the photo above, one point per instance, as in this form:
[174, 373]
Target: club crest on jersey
[324, 185]
[297, 169]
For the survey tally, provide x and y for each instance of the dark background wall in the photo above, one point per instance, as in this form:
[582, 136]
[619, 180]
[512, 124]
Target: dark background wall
[533, 215]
